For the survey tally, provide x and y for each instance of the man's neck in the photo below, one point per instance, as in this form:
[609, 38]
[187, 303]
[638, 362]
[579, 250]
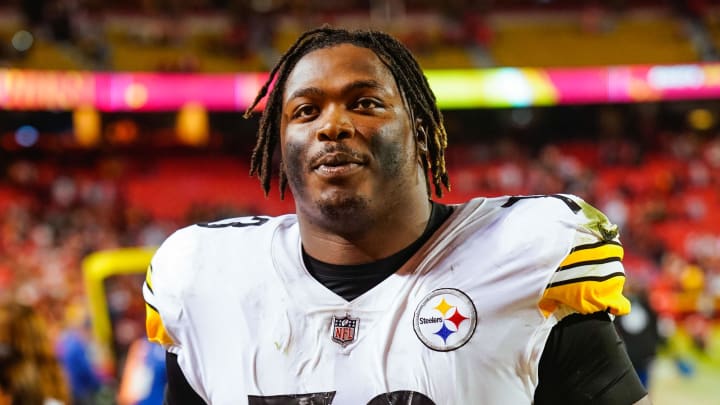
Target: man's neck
[351, 281]
[383, 237]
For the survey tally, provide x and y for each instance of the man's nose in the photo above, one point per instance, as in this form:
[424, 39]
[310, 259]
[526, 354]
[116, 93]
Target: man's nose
[335, 125]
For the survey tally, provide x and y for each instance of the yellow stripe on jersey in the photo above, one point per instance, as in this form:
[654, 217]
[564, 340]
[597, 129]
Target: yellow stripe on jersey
[588, 296]
[590, 279]
[154, 326]
[593, 253]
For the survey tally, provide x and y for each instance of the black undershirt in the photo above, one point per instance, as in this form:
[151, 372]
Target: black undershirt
[584, 360]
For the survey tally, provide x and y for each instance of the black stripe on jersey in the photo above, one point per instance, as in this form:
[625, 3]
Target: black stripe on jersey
[589, 278]
[594, 245]
[148, 279]
[587, 262]
[152, 307]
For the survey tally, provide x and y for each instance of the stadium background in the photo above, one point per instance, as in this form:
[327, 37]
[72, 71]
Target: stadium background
[79, 177]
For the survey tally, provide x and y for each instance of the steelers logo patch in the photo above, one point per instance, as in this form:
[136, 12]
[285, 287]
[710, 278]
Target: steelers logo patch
[445, 319]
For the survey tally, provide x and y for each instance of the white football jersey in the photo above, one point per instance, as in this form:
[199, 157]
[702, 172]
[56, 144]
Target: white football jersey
[464, 321]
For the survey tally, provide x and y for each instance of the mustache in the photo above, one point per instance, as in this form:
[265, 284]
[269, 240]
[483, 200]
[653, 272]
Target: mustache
[337, 149]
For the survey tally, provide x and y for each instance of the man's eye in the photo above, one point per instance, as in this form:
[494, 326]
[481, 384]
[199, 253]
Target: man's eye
[367, 103]
[304, 111]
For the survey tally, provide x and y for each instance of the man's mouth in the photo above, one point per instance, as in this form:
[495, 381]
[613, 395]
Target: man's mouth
[337, 164]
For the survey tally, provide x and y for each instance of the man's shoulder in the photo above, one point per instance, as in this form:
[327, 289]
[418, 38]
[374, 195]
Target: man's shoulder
[252, 226]
[541, 207]
[528, 219]
[213, 240]
[568, 210]
[200, 251]
[561, 204]
[545, 224]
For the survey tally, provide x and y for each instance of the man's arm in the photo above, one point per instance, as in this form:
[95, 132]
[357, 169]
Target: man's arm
[585, 362]
[178, 390]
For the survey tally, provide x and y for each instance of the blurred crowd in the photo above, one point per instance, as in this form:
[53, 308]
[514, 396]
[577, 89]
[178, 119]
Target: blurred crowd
[47, 226]
[227, 35]
[661, 187]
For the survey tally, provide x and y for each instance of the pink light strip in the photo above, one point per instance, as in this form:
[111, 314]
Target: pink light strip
[126, 91]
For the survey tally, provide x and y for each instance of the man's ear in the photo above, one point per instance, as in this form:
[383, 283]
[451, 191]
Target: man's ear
[421, 138]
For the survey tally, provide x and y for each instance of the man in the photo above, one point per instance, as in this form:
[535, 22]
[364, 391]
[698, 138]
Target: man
[371, 293]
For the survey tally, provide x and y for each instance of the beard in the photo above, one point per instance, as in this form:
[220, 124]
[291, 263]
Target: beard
[347, 214]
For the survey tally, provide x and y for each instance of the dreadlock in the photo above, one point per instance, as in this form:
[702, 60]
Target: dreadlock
[405, 69]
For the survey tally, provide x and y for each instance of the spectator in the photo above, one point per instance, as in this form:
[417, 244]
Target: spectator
[143, 378]
[74, 350]
[30, 373]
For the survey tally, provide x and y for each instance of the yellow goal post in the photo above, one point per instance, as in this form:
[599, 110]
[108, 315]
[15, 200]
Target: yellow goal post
[99, 266]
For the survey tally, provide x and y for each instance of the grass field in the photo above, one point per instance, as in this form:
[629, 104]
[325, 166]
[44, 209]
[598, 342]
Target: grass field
[670, 386]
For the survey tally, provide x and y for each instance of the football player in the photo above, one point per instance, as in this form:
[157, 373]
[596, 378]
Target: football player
[372, 293]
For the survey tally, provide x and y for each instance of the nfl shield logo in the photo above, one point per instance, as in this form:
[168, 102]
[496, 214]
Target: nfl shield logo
[344, 329]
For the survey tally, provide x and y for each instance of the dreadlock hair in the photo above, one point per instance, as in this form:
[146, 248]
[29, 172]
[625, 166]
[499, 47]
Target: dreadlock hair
[413, 85]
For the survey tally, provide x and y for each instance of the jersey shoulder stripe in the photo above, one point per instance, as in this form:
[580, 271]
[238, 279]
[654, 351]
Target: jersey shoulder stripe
[590, 262]
[590, 277]
[593, 253]
[588, 273]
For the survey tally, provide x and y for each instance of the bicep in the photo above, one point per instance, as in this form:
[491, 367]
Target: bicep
[584, 362]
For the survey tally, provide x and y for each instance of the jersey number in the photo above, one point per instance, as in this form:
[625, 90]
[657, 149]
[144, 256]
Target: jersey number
[326, 398]
[575, 207]
[254, 221]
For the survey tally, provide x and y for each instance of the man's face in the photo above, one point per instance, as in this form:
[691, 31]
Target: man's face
[347, 140]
